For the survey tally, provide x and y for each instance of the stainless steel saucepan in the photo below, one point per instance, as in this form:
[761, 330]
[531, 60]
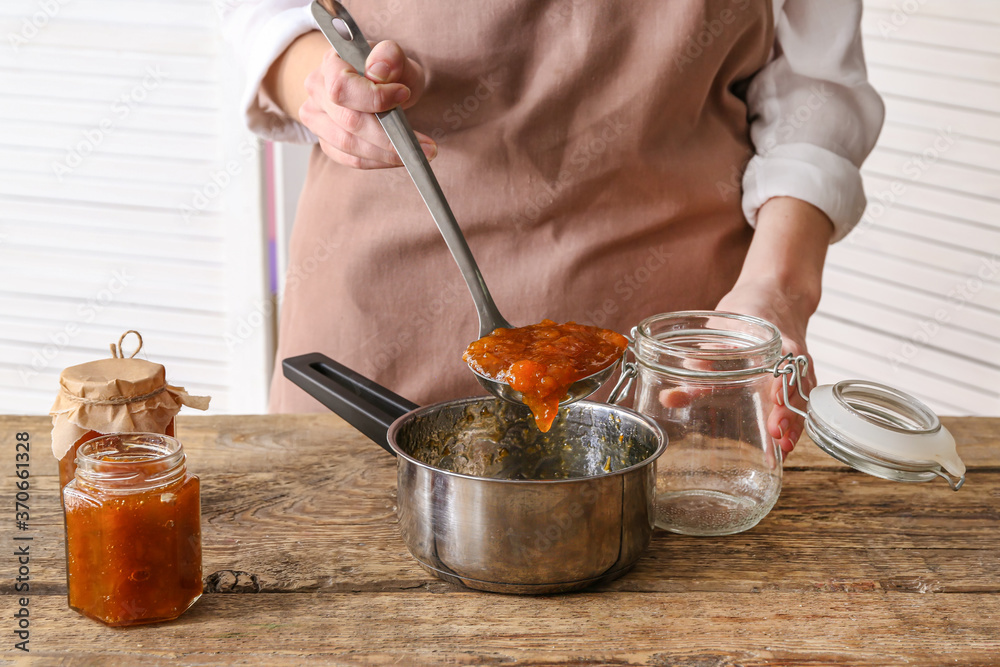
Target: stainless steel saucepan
[487, 501]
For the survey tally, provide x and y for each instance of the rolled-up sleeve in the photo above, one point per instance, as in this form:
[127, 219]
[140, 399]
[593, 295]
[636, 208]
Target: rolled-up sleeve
[814, 117]
[259, 31]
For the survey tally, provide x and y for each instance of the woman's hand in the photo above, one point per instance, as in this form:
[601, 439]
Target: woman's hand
[781, 282]
[338, 104]
[789, 312]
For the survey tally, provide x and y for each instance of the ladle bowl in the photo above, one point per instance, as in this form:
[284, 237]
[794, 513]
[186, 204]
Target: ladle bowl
[577, 391]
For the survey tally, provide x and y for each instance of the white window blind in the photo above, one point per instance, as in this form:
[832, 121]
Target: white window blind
[912, 297]
[130, 198]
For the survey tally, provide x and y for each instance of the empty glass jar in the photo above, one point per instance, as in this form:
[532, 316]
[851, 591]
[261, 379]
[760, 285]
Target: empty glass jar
[707, 379]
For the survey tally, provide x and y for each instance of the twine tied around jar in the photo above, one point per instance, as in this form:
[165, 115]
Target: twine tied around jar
[118, 400]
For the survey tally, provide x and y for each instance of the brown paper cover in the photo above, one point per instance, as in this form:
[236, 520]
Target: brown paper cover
[115, 396]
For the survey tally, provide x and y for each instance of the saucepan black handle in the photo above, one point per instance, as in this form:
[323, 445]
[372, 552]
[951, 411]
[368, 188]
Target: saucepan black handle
[363, 403]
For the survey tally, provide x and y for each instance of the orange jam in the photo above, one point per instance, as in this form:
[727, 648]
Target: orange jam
[542, 360]
[133, 531]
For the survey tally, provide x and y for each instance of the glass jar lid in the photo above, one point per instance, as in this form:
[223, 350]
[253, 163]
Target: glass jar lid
[884, 432]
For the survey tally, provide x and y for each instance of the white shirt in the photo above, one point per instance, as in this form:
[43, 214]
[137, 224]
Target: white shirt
[813, 115]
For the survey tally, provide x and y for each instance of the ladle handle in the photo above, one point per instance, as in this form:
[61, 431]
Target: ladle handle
[346, 38]
[363, 403]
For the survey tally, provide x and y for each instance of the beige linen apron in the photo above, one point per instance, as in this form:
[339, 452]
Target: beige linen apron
[591, 151]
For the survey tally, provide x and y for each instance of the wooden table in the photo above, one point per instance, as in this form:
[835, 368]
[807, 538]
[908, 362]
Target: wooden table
[304, 565]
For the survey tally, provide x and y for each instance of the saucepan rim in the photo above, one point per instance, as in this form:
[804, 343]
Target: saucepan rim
[622, 411]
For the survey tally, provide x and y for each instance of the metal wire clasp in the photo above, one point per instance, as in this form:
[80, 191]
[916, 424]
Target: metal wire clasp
[624, 384]
[792, 371]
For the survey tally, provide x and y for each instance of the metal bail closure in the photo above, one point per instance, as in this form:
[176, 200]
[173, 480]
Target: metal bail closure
[628, 373]
[883, 432]
[792, 369]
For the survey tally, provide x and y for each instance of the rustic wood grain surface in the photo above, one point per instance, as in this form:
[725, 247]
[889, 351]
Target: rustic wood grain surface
[304, 565]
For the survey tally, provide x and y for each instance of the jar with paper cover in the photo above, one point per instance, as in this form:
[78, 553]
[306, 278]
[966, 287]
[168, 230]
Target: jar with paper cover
[116, 395]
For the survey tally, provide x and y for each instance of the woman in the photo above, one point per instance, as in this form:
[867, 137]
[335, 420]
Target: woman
[607, 162]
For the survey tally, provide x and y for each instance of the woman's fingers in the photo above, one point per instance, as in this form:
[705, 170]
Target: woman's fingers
[676, 398]
[785, 425]
[351, 133]
[349, 160]
[684, 395]
[342, 103]
[388, 64]
[344, 86]
[366, 128]
[348, 149]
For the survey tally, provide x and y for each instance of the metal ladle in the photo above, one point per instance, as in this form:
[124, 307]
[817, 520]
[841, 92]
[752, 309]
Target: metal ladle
[346, 38]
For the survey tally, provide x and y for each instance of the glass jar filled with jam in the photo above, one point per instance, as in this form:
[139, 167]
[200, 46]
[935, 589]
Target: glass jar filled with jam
[133, 530]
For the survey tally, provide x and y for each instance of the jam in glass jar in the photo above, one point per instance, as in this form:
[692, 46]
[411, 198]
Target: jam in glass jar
[133, 530]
